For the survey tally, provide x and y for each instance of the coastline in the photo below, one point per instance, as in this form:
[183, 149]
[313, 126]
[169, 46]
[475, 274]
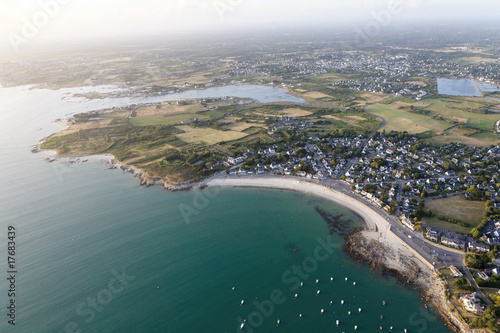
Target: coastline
[378, 235]
[366, 246]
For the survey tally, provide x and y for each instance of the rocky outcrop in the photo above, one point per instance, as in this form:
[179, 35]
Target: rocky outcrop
[382, 258]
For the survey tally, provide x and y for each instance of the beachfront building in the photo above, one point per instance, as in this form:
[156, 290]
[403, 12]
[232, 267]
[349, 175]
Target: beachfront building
[471, 304]
[478, 247]
[453, 242]
[455, 272]
[432, 235]
[407, 222]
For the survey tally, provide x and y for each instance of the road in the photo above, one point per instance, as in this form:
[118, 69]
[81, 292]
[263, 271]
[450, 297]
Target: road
[474, 284]
[413, 239]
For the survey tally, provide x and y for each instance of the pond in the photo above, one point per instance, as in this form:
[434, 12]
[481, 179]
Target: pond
[460, 87]
[485, 87]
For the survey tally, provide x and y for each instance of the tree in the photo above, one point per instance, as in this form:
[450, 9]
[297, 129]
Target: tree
[463, 284]
[475, 193]
[475, 233]
[476, 260]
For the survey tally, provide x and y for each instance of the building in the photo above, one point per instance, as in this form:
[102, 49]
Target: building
[432, 235]
[483, 276]
[471, 304]
[455, 271]
[478, 247]
[453, 242]
[407, 222]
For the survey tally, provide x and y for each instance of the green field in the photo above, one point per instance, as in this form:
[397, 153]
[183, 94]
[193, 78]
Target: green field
[399, 120]
[207, 135]
[165, 120]
[482, 124]
[252, 130]
[440, 120]
[458, 208]
[457, 110]
[491, 293]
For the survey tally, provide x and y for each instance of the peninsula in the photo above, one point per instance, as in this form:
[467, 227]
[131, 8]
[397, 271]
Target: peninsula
[378, 128]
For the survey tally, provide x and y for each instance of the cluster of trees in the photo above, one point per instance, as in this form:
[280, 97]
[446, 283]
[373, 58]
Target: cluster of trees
[463, 284]
[488, 320]
[490, 213]
[453, 221]
[370, 188]
[476, 194]
[479, 260]
[343, 133]
[493, 282]
[378, 162]
[421, 212]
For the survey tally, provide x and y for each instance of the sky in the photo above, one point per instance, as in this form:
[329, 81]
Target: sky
[32, 22]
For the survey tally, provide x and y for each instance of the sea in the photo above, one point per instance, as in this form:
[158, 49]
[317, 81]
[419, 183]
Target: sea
[94, 252]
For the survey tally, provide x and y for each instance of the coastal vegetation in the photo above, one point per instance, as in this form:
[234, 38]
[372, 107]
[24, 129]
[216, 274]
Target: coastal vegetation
[190, 139]
[479, 260]
[488, 320]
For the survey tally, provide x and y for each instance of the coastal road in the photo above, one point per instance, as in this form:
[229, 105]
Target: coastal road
[412, 239]
[474, 284]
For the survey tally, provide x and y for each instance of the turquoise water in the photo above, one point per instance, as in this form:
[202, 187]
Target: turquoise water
[81, 226]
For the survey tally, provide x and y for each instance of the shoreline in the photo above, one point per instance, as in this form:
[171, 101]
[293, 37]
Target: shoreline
[378, 229]
[373, 220]
[365, 246]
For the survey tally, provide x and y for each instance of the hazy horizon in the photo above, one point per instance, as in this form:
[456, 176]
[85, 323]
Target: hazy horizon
[35, 23]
